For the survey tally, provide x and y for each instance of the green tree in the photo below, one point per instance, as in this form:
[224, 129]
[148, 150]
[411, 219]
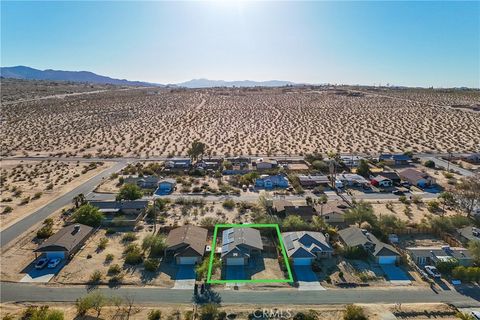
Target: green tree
[467, 193]
[361, 212]
[196, 150]
[155, 244]
[474, 249]
[429, 164]
[88, 215]
[464, 316]
[389, 223]
[79, 200]
[363, 168]
[294, 222]
[129, 192]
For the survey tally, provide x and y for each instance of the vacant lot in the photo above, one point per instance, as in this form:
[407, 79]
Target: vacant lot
[148, 122]
[29, 185]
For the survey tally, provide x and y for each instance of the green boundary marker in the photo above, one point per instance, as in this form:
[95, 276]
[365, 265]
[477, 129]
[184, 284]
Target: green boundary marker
[212, 255]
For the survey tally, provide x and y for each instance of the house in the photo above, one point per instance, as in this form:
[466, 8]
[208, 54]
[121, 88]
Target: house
[468, 234]
[381, 182]
[417, 178]
[178, 164]
[272, 182]
[312, 181]
[395, 159]
[392, 175]
[265, 164]
[431, 255]
[332, 212]
[165, 186]
[209, 164]
[382, 253]
[472, 158]
[121, 213]
[351, 179]
[303, 247]
[236, 165]
[240, 244]
[287, 208]
[186, 244]
[351, 161]
[66, 242]
[145, 182]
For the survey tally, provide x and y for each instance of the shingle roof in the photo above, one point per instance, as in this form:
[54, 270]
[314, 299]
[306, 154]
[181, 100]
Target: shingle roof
[191, 236]
[243, 238]
[354, 236]
[66, 238]
[412, 175]
[135, 204]
[305, 241]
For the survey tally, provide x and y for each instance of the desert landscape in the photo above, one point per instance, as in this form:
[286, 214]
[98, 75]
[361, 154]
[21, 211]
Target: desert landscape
[147, 122]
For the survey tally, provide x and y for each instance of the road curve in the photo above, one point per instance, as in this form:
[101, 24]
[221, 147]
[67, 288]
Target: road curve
[16, 229]
[20, 292]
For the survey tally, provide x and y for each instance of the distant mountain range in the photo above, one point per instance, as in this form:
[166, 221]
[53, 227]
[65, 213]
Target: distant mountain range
[27, 73]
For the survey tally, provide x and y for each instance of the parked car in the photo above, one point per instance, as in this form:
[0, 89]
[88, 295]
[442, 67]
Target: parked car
[54, 263]
[432, 271]
[41, 263]
[244, 187]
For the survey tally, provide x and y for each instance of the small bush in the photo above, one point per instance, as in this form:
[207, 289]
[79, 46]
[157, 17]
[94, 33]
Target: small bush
[129, 237]
[114, 269]
[110, 231]
[154, 315]
[228, 204]
[133, 254]
[354, 313]
[102, 244]
[96, 276]
[109, 258]
[151, 264]
[429, 164]
[7, 209]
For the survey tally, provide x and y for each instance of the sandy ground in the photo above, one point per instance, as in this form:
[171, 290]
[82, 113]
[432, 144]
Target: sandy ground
[241, 121]
[89, 259]
[324, 312]
[31, 177]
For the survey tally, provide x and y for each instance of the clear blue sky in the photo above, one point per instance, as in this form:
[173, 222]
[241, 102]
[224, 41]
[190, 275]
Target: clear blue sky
[402, 43]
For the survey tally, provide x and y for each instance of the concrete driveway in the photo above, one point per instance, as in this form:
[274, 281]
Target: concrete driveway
[395, 275]
[41, 276]
[307, 279]
[235, 273]
[185, 277]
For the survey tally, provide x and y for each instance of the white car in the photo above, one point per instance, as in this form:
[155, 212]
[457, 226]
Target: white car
[432, 271]
[54, 263]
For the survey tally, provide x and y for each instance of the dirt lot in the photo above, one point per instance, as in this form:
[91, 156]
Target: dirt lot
[29, 185]
[90, 258]
[240, 121]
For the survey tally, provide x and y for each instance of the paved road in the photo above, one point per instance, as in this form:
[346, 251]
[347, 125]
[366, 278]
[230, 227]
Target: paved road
[20, 292]
[444, 164]
[15, 230]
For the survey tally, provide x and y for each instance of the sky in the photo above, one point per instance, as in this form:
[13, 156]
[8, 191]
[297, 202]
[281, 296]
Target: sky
[398, 43]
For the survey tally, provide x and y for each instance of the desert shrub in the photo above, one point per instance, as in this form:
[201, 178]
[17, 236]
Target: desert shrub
[47, 230]
[208, 311]
[110, 231]
[403, 199]
[429, 164]
[154, 315]
[433, 206]
[109, 258]
[37, 195]
[96, 276]
[151, 264]
[354, 313]
[102, 244]
[7, 209]
[42, 313]
[155, 244]
[133, 254]
[228, 204]
[114, 269]
[129, 237]
[446, 266]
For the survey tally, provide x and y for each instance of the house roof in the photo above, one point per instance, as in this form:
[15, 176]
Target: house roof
[305, 243]
[169, 181]
[381, 178]
[352, 177]
[354, 236]
[397, 157]
[413, 175]
[66, 239]
[470, 233]
[441, 253]
[390, 175]
[279, 205]
[332, 207]
[242, 239]
[119, 205]
[313, 179]
[189, 236]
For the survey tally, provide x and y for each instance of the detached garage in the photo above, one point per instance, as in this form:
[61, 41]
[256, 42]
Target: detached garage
[66, 242]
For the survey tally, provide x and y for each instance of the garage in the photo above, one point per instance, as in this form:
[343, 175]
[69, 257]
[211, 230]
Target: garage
[187, 260]
[235, 261]
[387, 260]
[55, 254]
[302, 261]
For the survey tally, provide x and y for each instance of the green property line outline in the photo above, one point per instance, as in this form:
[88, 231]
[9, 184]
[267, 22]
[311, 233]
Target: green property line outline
[251, 225]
